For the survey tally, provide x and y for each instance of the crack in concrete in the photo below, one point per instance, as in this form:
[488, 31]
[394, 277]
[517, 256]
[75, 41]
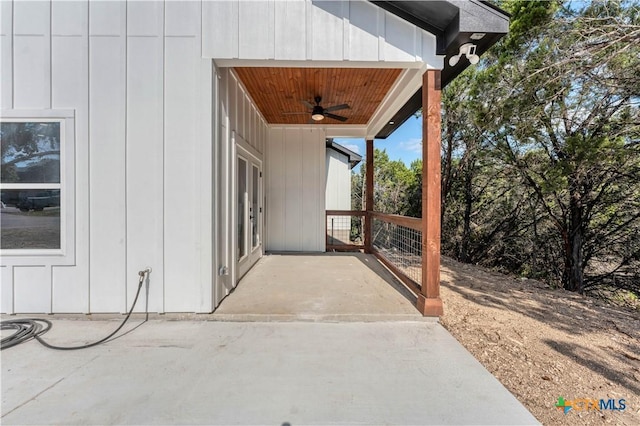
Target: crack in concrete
[33, 398]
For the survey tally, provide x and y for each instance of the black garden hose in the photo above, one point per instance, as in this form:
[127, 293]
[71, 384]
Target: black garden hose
[33, 328]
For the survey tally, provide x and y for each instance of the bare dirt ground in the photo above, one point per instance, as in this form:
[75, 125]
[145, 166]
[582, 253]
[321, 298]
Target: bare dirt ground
[544, 343]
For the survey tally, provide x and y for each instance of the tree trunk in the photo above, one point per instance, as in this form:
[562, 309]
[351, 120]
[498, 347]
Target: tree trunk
[468, 205]
[446, 173]
[573, 279]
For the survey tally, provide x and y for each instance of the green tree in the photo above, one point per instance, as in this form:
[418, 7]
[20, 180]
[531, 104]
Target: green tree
[392, 182]
[564, 115]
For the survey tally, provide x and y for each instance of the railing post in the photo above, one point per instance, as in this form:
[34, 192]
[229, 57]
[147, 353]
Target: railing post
[429, 302]
[368, 243]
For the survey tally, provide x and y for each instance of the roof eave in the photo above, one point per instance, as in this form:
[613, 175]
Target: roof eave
[472, 17]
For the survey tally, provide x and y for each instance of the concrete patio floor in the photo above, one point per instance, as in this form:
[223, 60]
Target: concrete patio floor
[319, 287]
[303, 340]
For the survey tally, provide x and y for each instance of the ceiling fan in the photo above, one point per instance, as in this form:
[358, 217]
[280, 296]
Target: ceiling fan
[318, 112]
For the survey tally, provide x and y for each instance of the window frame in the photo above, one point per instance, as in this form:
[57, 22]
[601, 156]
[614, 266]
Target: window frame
[65, 255]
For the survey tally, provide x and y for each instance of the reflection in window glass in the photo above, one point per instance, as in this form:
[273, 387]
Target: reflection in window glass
[32, 221]
[255, 238]
[31, 185]
[30, 152]
[242, 194]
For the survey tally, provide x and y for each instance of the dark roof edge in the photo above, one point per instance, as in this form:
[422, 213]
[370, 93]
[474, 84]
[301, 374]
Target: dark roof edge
[474, 16]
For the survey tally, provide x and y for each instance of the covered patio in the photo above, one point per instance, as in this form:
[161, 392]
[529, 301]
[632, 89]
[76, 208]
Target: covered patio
[379, 65]
[318, 287]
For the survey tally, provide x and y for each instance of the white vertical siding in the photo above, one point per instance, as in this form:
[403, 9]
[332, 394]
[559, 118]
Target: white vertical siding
[364, 30]
[6, 289]
[327, 32]
[6, 56]
[297, 30]
[313, 184]
[181, 192]
[239, 121]
[220, 29]
[145, 155]
[275, 196]
[295, 189]
[141, 92]
[401, 40]
[32, 289]
[224, 283]
[107, 155]
[32, 54]
[256, 17]
[70, 90]
[188, 163]
[290, 41]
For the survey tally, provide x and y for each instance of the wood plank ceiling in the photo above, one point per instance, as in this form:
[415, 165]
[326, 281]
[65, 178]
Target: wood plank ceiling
[279, 90]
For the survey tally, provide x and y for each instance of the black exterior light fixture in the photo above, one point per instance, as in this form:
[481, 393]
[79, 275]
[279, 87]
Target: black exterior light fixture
[318, 113]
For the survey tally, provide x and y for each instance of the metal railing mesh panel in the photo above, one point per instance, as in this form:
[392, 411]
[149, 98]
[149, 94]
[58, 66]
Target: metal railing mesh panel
[345, 230]
[401, 246]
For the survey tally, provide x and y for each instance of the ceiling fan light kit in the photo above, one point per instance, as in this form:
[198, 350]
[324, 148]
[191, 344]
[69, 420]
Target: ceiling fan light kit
[318, 112]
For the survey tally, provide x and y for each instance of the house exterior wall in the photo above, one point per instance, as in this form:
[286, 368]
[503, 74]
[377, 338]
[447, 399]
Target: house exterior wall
[158, 116]
[240, 125]
[295, 189]
[142, 98]
[303, 30]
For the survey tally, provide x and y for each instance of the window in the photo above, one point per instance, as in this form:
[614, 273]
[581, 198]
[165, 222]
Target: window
[36, 200]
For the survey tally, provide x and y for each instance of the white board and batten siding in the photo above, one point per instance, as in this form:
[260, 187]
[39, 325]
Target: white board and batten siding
[240, 124]
[295, 189]
[141, 93]
[305, 30]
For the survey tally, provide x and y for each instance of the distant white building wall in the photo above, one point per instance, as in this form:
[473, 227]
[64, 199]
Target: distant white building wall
[338, 190]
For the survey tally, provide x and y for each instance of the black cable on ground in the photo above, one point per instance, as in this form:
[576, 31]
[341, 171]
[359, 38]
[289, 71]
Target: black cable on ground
[33, 328]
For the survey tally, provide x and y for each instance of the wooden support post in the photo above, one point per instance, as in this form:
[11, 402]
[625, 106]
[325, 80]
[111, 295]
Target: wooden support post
[429, 302]
[368, 243]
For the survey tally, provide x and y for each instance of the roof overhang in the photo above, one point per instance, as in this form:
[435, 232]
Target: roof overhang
[372, 43]
[453, 23]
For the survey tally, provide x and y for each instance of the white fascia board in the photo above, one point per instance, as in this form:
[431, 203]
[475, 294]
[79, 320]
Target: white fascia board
[264, 63]
[331, 130]
[405, 86]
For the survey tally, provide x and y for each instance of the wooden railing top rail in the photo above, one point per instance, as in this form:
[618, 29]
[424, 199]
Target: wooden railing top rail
[408, 222]
[346, 213]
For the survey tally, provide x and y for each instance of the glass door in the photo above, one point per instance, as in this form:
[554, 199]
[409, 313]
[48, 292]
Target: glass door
[249, 229]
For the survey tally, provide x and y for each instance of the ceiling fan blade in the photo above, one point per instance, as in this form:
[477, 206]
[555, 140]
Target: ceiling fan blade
[307, 104]
[335, 117]
[337, 107]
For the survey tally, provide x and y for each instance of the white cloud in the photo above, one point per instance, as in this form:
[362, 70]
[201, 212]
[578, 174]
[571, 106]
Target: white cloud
[412, 145]
[352, 147]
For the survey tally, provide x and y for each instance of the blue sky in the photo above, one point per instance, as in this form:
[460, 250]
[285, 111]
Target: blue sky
[404, 144]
